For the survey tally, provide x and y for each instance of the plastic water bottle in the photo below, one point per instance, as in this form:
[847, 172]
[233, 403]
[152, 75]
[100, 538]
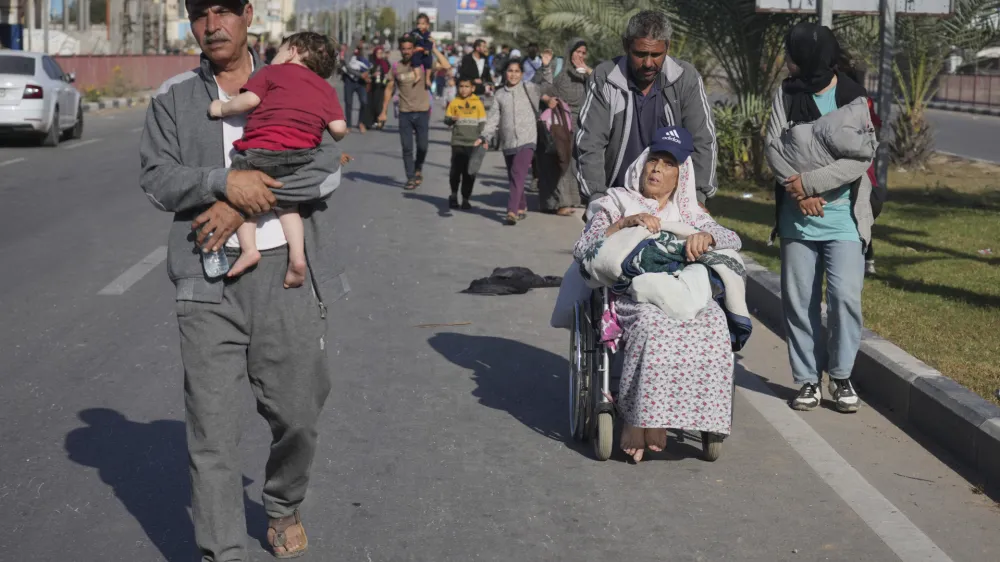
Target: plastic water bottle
[215, 264]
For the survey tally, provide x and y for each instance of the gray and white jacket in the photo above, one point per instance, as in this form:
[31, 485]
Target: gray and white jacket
[831, 152]
[512, 116]
[183, 171]
[606, 121]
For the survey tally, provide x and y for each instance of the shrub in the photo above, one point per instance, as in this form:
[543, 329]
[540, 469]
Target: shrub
[740, 130]
[92, 94]
[119, 86]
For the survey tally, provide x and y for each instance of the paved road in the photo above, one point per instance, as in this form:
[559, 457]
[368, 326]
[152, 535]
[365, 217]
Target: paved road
[444, 443]
[965, 134]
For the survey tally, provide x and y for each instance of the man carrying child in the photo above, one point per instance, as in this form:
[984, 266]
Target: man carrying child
[245, 329]
[466, 116]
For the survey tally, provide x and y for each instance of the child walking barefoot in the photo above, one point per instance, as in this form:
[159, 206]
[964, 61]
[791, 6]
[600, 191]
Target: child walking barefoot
[291, 106]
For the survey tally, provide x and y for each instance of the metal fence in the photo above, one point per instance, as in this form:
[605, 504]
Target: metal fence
[969, 89]
[979, 90]
[143, 72]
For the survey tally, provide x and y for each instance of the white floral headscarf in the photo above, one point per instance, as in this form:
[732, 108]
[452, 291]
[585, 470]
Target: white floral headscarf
[682, 207]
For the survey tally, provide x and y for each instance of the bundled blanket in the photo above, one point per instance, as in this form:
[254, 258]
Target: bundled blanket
[652, 268]
[845, 133]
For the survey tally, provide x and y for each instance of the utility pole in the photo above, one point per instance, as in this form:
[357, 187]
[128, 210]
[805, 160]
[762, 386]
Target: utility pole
[160, 16]
[80, 11]
[824, 8]
[887, 31]
[65, 15]
[30, 23]
[46, 16]
[350, 25]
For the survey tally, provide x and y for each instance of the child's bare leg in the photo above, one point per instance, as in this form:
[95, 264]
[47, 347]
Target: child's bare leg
[249, 255]
[291, 225]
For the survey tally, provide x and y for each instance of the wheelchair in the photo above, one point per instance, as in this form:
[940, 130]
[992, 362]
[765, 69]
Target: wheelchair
[591, 403]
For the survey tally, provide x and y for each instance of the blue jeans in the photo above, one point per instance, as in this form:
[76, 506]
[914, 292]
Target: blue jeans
[352, 88]
[810, 351]
[410, 123]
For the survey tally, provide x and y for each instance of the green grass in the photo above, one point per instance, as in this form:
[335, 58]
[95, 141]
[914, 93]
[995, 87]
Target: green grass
[934, 295]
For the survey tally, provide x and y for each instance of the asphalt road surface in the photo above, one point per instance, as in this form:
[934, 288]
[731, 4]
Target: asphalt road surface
[439, 443]
[965, 134]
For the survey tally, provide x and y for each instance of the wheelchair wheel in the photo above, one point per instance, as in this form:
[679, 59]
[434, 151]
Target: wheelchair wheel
[579, 396]
[605, 436]
[711, 446]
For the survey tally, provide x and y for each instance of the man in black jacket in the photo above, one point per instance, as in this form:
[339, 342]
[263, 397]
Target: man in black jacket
[474, 68]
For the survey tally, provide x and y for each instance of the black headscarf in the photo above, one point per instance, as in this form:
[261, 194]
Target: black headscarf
[814, 49]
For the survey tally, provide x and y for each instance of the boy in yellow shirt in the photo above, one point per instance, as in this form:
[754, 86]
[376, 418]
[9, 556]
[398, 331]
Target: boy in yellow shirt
[466, 115]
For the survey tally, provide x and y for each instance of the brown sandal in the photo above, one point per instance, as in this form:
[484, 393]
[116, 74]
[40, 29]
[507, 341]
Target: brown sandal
[418, 178]
[279, 539]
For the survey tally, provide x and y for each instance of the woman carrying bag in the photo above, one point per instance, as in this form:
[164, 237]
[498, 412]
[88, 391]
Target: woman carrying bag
[513, 122]
[824, 218]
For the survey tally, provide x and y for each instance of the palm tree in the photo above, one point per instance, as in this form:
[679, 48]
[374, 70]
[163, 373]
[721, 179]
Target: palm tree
[601, 22]
[747, 45]
[923, 46]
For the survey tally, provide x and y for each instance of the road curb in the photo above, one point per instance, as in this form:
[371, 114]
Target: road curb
[112, 103]
[994, 111]
[912, 392]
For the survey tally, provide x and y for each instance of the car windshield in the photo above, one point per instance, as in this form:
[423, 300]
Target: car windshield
[17, 65]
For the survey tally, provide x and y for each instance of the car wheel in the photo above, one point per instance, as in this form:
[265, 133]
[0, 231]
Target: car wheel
[52, 137]
[77, 131]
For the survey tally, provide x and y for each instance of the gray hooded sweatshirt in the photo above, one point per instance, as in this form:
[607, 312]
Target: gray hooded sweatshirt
[606, 121]
[183, 171]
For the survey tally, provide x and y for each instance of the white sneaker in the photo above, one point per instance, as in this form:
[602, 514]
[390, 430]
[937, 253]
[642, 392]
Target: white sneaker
[843, 394]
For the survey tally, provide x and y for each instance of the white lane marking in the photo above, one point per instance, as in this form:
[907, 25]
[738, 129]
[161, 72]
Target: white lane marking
[9, 162]
[897, 531]
[81, 143]
[135, 273]
[136, 130]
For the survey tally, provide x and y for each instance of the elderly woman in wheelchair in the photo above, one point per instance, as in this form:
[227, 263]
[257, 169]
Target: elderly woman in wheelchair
[674, 280]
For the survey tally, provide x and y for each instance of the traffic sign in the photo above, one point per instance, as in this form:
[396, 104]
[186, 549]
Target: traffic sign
[930, 7]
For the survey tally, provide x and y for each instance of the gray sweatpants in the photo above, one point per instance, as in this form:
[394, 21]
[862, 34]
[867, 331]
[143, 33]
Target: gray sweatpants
[273, 337]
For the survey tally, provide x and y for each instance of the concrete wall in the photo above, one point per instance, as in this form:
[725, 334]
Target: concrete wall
[146, 72]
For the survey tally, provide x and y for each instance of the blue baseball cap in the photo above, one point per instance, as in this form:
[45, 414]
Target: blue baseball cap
[675, 140]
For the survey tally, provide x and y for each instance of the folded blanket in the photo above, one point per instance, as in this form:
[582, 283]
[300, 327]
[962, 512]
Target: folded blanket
[645, 265]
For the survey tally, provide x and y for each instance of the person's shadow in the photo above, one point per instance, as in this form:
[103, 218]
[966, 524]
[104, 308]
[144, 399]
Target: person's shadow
[527, 382]
[146, 464]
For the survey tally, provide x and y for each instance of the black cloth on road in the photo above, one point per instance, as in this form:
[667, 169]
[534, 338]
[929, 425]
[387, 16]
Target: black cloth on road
[511, 281]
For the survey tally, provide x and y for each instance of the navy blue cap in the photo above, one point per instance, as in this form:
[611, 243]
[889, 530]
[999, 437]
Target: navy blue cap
[675, 140]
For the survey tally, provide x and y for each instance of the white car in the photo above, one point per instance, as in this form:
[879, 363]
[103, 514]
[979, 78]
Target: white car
[37, 98]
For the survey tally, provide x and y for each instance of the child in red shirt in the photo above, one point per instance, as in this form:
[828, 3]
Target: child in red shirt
[291, 105]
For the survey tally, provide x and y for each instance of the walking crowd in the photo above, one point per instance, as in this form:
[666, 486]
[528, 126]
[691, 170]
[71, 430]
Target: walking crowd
[631, 140]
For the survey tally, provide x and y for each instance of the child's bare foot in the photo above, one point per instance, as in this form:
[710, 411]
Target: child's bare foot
[247, 259]
[295, 276]
[656, 438]
[633, 441]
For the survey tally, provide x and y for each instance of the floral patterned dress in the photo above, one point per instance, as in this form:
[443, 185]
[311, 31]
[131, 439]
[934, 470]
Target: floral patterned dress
[676, 374]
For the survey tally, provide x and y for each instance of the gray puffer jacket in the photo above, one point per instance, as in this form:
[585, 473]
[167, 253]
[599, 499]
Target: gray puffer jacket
[835, 150]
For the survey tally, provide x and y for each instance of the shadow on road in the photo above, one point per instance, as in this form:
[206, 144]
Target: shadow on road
[146, 466]
[441, 203]
[373, 178]
[527, 382]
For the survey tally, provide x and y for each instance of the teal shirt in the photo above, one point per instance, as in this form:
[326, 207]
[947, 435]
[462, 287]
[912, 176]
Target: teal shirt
[837, 222]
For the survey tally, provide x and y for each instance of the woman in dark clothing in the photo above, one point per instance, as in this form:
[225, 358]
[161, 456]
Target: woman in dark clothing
[379, 76]
[558, 190]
